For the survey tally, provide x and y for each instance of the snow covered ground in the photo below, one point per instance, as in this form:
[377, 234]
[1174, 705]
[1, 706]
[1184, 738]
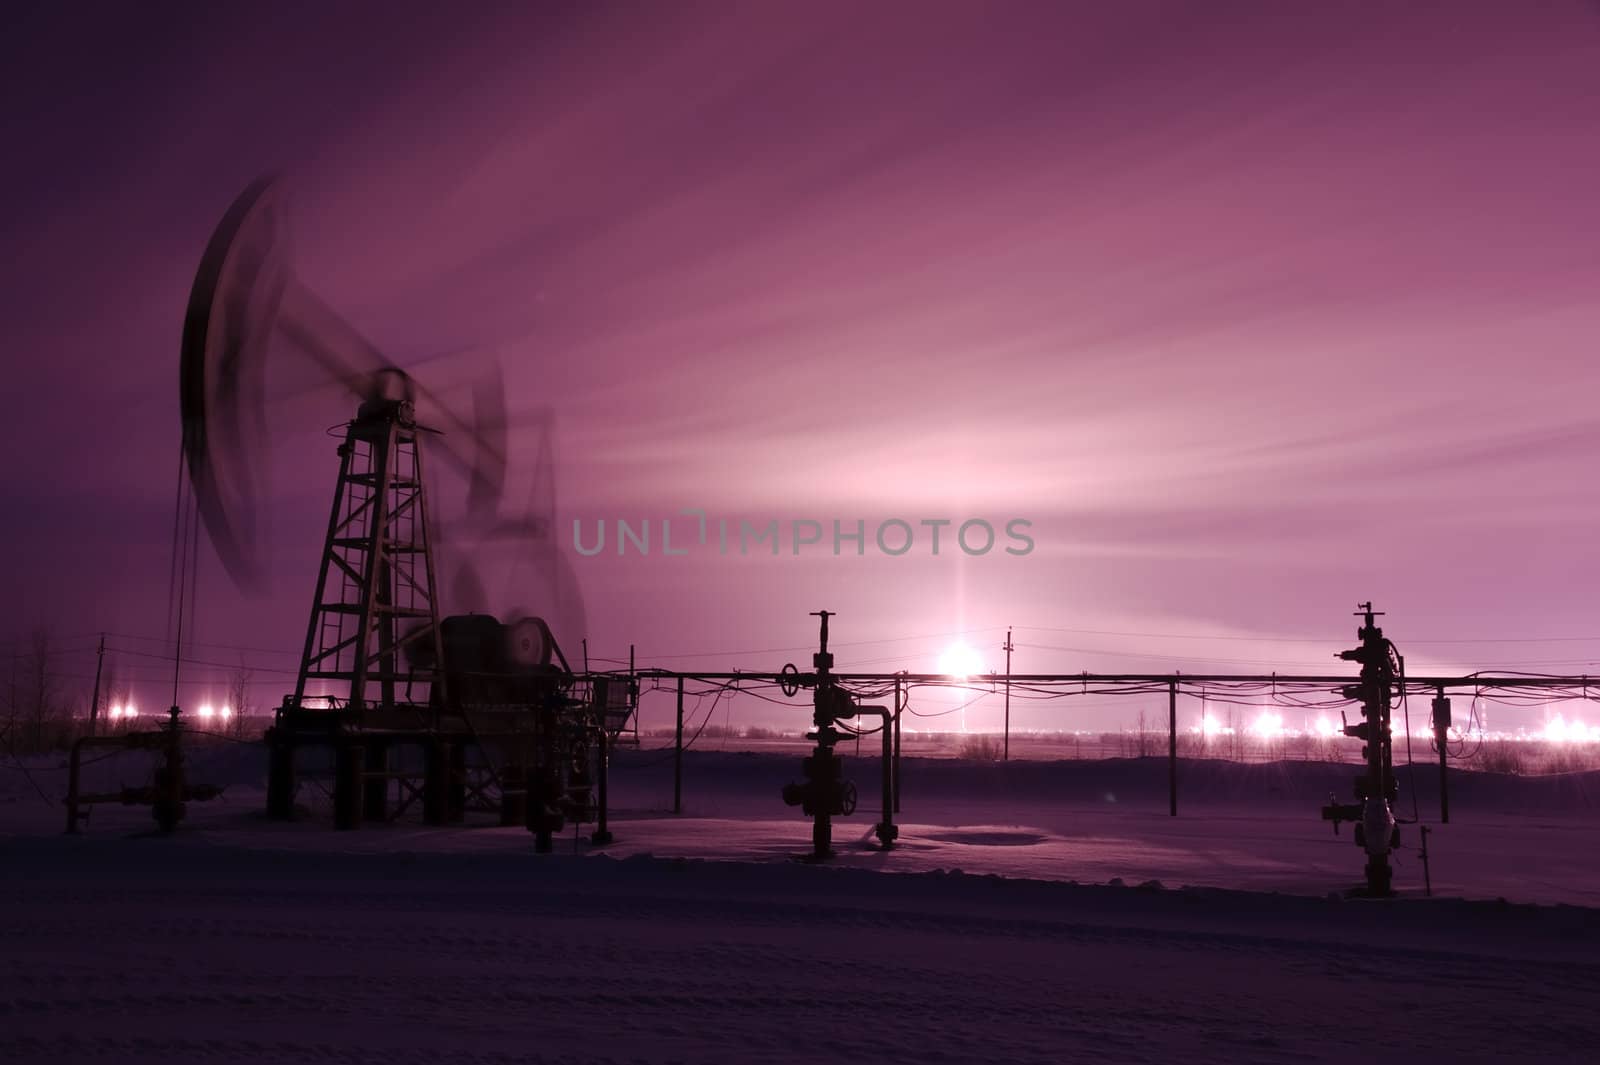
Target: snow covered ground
[695, 938]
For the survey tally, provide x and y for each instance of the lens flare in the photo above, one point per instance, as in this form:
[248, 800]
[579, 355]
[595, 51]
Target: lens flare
[1559, 730]
[960, 662]
[1268, 725]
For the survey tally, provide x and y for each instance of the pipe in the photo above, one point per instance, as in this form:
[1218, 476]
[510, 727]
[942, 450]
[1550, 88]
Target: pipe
[132, 741]
[677, 757]
[602, 834]
[899, 708]
[885, 829]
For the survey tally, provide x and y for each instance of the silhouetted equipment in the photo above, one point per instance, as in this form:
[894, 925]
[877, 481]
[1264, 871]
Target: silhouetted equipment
[825, 793]
[468, 712]
[1376, 789]
[831, 798]
[377, 568]
[168, 793]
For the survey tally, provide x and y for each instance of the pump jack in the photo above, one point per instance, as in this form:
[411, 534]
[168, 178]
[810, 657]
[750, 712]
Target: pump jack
[1376, 789]
[826, 793]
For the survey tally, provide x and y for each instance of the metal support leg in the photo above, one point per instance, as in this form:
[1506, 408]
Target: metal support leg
[898, 708]
[602, 834]
[513, 795]
[280, 777]
[435, 782]
[349, 779]
[456, 788]
[375, 788]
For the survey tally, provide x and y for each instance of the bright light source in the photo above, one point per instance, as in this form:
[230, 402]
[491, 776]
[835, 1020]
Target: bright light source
[1268, 725]
[114, 712]
[224, 713]
[1210, 726]
[206, 712]
[129, 711]
[960, 662]
[1326, 728]
[1559, 730]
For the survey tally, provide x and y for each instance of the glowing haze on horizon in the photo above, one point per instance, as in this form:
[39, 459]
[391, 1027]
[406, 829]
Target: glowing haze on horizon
[1255, 310]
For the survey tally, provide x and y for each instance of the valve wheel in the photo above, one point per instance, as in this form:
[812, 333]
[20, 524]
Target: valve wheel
[848, 805]
[789, 680]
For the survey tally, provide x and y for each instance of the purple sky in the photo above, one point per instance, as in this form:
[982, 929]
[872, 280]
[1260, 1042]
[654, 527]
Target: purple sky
[1255, 310]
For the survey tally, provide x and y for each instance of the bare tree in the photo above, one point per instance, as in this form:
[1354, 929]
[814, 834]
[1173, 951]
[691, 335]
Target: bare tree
[8, 724]
[39, 699]
[239, 697]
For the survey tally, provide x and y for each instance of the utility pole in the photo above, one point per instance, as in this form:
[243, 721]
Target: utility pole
[94, 700]
[1005, 755]
[1441, 739]
[1172, 746]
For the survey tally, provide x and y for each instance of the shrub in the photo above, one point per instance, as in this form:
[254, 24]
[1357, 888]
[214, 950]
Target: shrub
[980, 748]
[1500, 756]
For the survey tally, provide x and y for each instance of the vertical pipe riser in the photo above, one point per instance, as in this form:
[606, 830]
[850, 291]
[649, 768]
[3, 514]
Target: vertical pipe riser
[677, 757]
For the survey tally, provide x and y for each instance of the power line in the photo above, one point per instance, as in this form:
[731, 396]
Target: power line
[213, 646]
[203, 662]
[808, 647]
[1297, 639]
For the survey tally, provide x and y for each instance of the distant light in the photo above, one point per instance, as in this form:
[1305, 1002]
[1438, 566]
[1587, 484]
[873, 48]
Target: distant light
[1268, 725]
[1210, 726]
[206, 712]
[960, 662]
[224, 712]
[1325, 728]
[1559, 730]
[129, 711]
[114, 712]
